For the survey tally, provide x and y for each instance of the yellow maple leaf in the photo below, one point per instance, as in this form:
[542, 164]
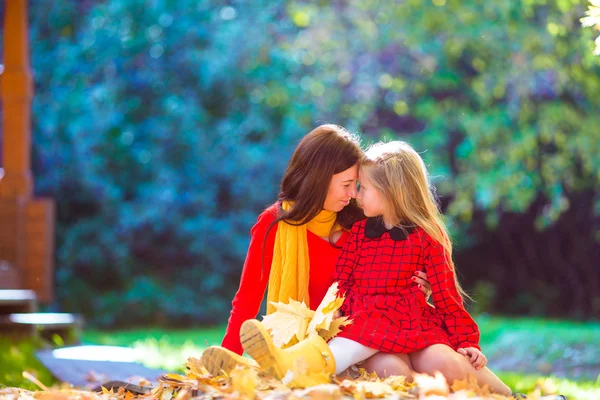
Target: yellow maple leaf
[398, 383]
[194, 365]
[289, 321]
[244, 381]
[334, 328]
[326, 311]
[367, 376]
[374, 389]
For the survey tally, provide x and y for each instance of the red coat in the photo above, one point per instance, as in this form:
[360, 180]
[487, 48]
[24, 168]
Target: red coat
[390, 312]
[246, 303]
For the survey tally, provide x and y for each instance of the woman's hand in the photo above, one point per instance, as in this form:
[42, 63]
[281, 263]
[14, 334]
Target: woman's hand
[475, 356]
[420, 278]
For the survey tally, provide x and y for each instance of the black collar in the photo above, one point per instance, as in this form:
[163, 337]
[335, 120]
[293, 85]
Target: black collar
[374, 228]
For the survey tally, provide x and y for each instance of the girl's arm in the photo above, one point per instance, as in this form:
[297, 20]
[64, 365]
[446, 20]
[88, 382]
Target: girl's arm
[461, 327]
[253, 283]
[344, 269]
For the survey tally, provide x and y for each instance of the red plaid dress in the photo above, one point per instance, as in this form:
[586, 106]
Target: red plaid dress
[390, 312]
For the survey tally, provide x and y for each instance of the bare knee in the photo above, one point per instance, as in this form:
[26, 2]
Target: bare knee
[444, 359]
[386, 364]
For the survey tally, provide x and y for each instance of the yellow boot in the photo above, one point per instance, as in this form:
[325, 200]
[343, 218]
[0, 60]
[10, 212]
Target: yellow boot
[218, 360]
[275, 361]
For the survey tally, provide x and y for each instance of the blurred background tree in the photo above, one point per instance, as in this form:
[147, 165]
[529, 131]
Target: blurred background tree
[162, 128]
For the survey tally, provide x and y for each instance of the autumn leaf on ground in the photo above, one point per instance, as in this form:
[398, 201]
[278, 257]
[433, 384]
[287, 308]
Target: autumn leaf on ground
[432, 385]
[194, 365]
[367, 376]
[244, 381]
[325, 312]
[470, 386]
[289, 321]
[197, 371]
[374, 389]
[320, 392]
[399, 384]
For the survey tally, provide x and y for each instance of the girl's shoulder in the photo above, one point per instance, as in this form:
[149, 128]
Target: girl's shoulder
[425, 238]
[358, 226]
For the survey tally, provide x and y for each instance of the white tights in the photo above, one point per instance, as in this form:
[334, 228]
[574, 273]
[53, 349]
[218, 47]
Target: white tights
[347, 352]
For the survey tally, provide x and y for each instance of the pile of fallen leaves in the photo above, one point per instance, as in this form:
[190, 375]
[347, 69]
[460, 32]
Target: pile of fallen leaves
[248, 383]
[290, 324]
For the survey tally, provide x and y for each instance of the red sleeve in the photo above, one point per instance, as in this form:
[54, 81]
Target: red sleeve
[254, 280]
[462, 329]
[344, 269]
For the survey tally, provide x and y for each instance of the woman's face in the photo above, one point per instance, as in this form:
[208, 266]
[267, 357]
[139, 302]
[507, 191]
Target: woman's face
[369, 198]
[342, 188]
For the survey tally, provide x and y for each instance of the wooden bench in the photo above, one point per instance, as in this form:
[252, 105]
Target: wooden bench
[45, 325]
[17, 301]
[19, 319]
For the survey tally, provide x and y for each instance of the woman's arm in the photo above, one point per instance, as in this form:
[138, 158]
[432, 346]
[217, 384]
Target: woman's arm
[254, 280]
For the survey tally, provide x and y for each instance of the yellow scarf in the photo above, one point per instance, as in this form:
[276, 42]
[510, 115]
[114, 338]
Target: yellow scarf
[290, 268]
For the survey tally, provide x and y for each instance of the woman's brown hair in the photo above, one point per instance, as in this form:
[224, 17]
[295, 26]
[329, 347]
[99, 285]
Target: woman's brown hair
[327, 150]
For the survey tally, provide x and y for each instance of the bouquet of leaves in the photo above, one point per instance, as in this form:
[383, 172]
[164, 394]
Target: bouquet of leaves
[294, 321]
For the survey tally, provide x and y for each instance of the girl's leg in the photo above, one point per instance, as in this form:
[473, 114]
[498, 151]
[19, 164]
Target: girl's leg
[454, 366]
[388, 364]
[347, 352]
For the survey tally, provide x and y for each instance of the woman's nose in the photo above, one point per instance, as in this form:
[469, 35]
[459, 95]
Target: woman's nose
[352, 192]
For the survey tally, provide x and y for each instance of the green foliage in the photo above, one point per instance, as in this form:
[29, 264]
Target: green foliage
[18, 357]
[162, 128]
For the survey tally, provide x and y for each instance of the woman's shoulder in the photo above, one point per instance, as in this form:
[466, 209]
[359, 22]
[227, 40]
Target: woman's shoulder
[266, 218]
[269, 214]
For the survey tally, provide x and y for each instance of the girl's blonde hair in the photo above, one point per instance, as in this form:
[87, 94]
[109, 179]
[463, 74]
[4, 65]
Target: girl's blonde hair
[399, 174]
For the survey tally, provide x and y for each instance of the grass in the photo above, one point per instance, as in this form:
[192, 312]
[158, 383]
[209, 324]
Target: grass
[169, 349]
[575, 390]
[567, 332]
[19, 357]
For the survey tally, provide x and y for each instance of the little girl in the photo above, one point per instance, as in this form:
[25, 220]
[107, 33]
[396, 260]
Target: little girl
[404, 233]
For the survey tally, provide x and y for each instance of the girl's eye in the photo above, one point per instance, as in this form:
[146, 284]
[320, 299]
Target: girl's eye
[347, 185]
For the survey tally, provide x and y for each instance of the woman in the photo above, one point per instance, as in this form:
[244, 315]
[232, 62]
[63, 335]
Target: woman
[296, 242]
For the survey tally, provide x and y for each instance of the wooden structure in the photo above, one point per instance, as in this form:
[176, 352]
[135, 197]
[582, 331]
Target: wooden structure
[26, 223]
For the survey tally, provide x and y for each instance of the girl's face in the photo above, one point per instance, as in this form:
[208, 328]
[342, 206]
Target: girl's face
[342, 188]
[369, 198]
